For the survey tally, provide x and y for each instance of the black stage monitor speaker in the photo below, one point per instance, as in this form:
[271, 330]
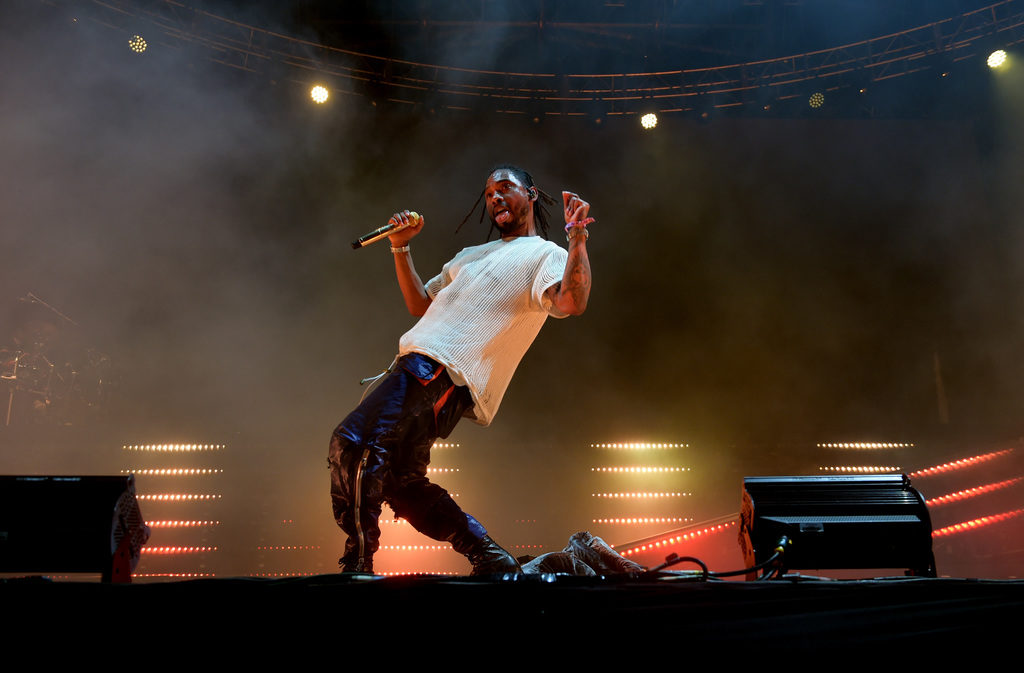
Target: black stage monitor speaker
[855, 522]
[71, 524]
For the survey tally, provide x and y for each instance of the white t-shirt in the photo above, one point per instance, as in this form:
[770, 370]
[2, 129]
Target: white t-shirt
[487, 307]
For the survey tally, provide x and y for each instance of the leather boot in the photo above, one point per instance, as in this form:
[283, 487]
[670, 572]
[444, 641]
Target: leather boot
[490, 559]
[354, 564]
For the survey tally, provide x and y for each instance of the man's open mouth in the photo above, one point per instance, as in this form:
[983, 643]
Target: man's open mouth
[502, 216]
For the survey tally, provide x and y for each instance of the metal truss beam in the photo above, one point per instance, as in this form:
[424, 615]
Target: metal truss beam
[258, 50]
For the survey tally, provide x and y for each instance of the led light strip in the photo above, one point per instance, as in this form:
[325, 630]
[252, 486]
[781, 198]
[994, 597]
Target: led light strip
[173, 447]
[962, 463]
[639, 469]
[173, 471]
[863, 469]
[678, 538]
[639, 495]
[178, 496]
[971, 492]
[864, 445]
[643, 520]
[639, 445]
[299, 547]
[177, 550]
[181, 524]
[974, 524]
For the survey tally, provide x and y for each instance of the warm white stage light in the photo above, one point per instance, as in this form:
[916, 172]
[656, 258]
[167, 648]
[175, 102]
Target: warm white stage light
[643, 495]
[639, 445]
[173, 471]
[644, 520]
[864, 445]
[649, 121]
[318, 94]
[137, 44]
[177, 550]
[639, 468]
[862, 469]
[174, 447]
[173, 523]
[816, 100]
[177, 497]
[996, 58]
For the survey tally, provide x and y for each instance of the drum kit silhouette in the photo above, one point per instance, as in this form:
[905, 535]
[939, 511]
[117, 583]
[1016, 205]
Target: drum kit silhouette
[49, 376]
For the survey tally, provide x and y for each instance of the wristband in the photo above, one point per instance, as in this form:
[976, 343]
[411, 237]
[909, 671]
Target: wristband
[573, 232]
[580, 224]
[395, 251]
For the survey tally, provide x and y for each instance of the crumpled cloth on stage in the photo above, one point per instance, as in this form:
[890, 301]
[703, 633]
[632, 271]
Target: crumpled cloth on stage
[585, 555]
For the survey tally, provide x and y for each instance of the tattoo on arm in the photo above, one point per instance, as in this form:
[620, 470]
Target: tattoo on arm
[574, 288]
[579, 284]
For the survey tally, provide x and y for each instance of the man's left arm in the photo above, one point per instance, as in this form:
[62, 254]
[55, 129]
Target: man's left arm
[570, 295]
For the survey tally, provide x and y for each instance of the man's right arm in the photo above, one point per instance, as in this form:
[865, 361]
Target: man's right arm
[415, 294]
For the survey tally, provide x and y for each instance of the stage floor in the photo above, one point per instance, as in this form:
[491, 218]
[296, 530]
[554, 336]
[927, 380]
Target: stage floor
[618, 616]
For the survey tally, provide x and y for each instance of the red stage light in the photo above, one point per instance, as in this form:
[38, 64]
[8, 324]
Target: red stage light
[177, 550]
[710, 530]
[960, 464]
[971, 492]
[976, 523]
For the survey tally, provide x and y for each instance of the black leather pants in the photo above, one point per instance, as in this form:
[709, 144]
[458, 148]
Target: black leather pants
[380, 452]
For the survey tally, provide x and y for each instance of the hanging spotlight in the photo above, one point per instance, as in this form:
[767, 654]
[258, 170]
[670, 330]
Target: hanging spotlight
[137, 44]
[996, 58]
[649, 121]
[319, 94]
[816, 100]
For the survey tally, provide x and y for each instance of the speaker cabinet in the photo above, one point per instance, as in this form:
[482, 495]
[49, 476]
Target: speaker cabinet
[71, 524]
[855, 521]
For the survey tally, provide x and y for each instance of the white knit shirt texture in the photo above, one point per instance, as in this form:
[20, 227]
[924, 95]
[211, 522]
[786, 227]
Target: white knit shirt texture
[487, 307]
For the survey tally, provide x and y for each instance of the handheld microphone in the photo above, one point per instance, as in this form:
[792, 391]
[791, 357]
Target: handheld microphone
[385, 231]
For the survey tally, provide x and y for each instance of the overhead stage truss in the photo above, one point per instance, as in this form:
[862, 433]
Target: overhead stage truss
[934, 47]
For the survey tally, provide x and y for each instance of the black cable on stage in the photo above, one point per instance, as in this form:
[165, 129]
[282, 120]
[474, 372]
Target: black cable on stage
[673, 559]
[780, 550]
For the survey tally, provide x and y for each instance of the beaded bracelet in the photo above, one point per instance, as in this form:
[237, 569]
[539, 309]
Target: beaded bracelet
[581, 223]
[574, 228]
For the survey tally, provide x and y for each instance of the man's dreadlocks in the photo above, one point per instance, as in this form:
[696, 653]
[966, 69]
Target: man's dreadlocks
[540, 211]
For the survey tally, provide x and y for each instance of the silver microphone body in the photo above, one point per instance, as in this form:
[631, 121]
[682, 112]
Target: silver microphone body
[385, 231]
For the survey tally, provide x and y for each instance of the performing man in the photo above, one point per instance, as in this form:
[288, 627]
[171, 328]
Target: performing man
[477, 319]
